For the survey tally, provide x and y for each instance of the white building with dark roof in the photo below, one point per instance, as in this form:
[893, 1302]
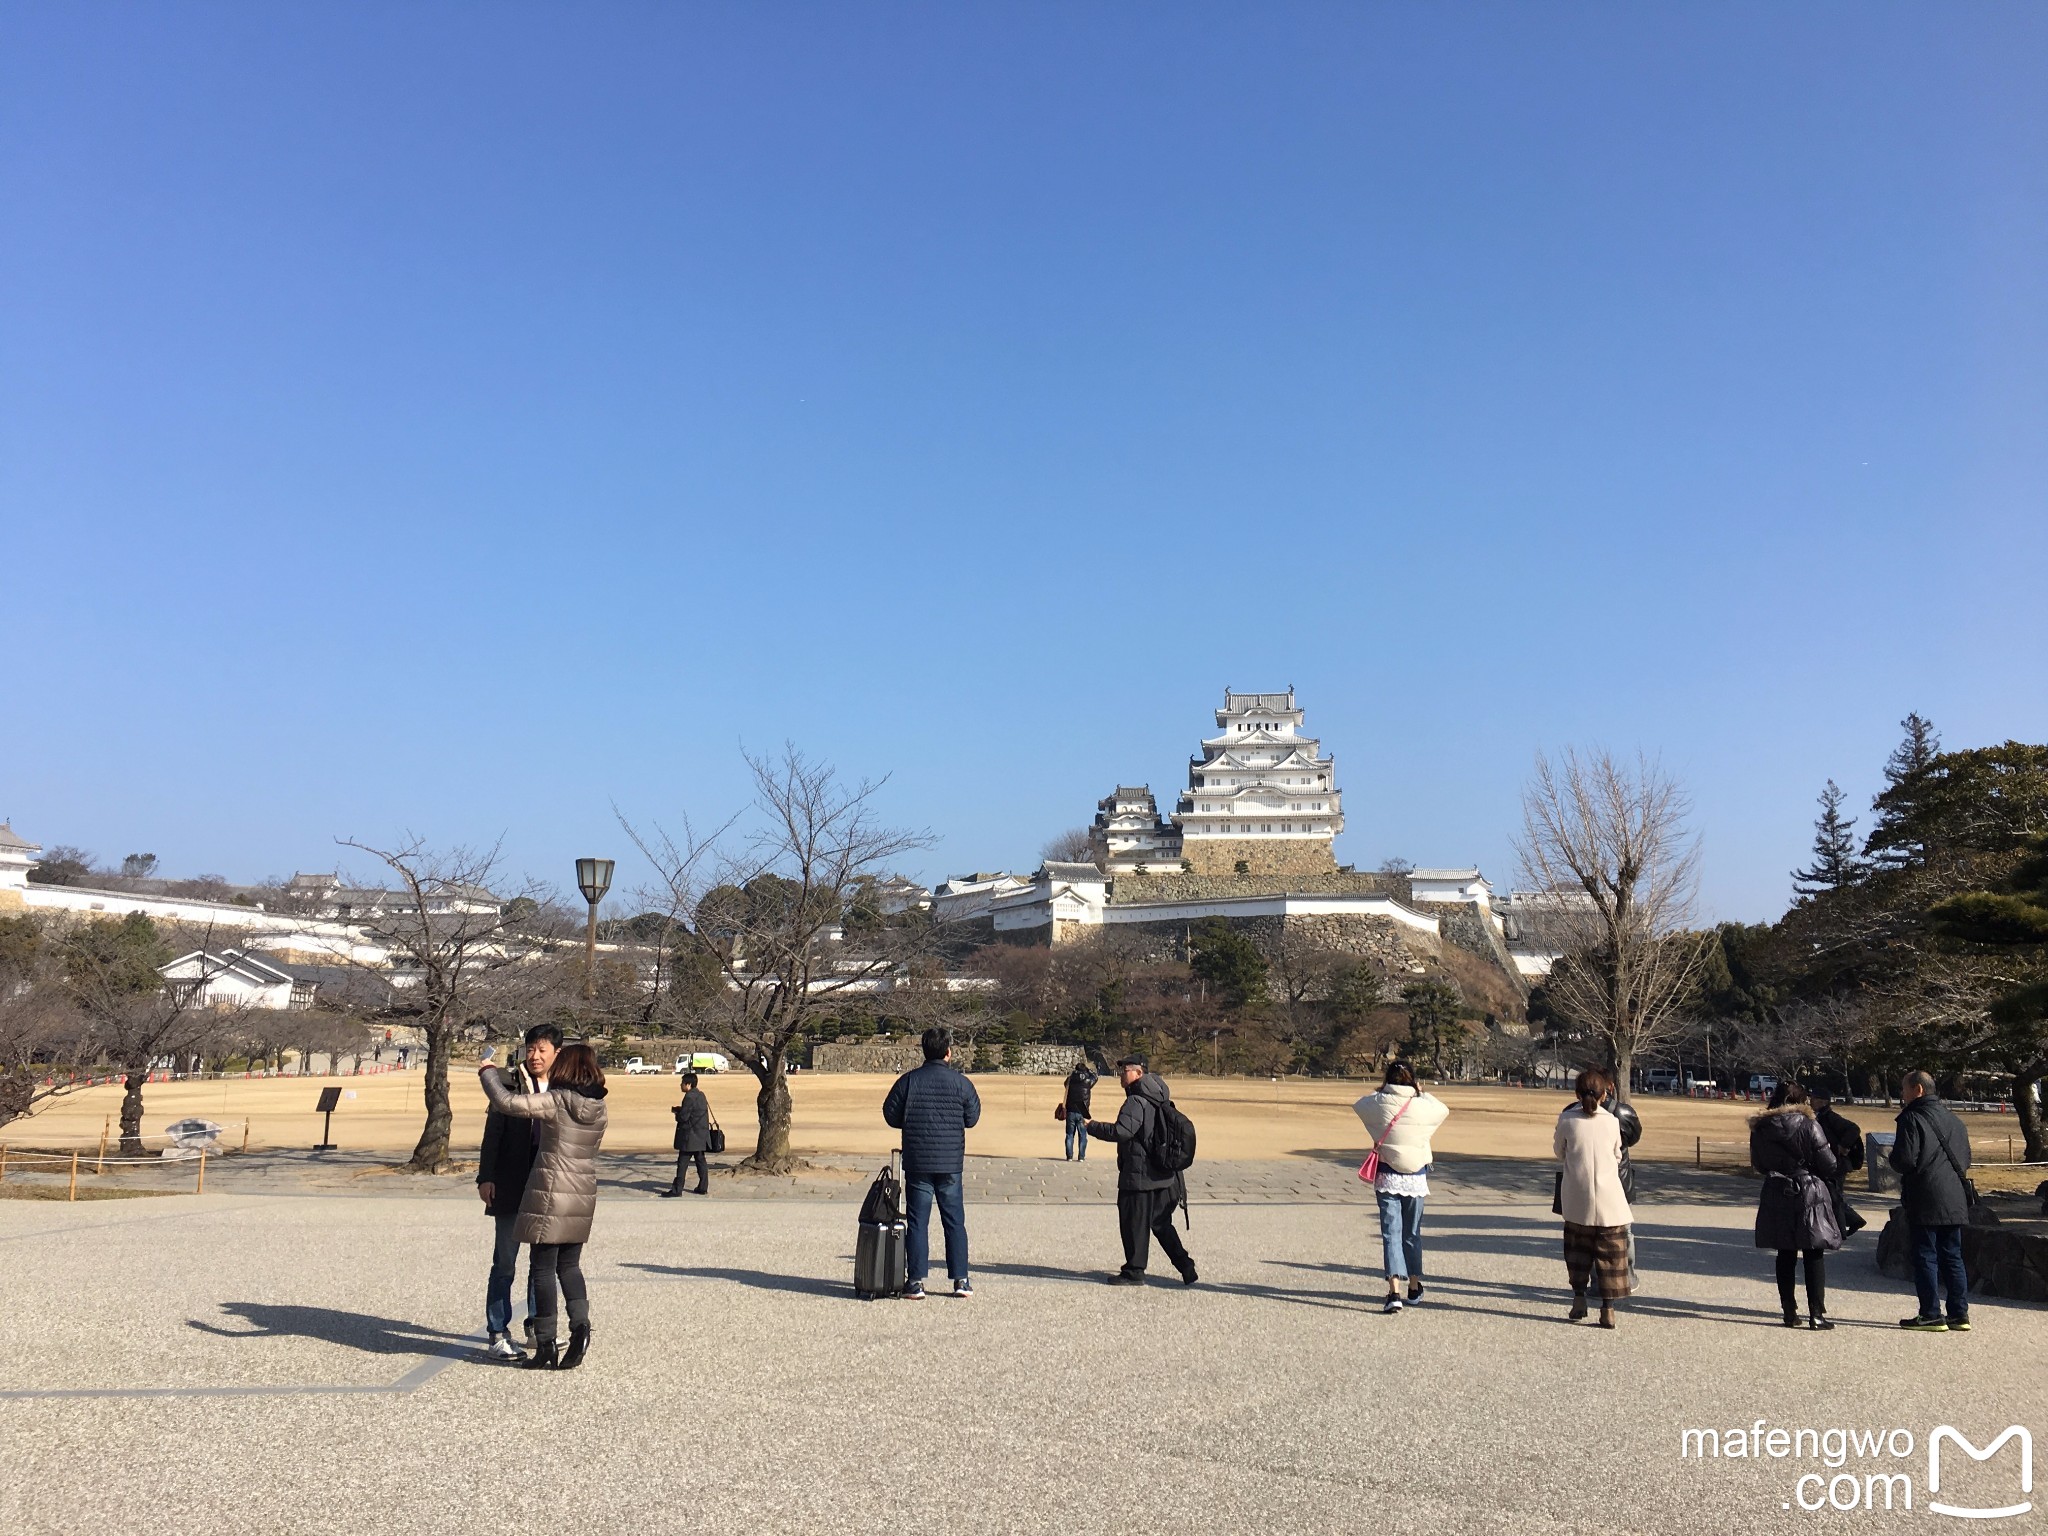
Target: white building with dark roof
[1262, 798]
[1129, 836]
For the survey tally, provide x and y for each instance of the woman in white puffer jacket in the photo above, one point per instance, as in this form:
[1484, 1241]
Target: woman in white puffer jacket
[1401, 1118]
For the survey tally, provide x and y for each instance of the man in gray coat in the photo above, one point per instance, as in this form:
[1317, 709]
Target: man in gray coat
[1932, 1156]
[1145, 1202]
[693, 1138]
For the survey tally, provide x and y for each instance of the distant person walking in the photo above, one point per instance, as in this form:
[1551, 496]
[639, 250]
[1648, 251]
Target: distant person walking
[1080, 1095]
[1795, 1210]
[1845, 1140]
[1590, 1198]
[693, 1138]
[560, 1202]
[1145, 1199]
[502, 1165]
[1931, 1154]
[934, 1107]
[1400, 1119]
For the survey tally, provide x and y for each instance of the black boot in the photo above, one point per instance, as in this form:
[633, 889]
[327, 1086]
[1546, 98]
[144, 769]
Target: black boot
[579, 1346]
[542, 1358]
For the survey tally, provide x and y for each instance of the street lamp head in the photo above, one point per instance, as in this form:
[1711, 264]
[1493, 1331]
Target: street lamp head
[594, 878]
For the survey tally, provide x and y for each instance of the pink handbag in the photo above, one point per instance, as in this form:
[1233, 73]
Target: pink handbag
[1370, 1168]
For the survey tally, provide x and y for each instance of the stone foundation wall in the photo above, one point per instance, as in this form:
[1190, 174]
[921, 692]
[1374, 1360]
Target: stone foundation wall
[1468, 928]
[1261, 855]
[1140, 888]
[1039, 1060]
[1393, 946]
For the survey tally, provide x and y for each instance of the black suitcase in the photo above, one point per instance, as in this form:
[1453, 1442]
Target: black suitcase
[880, 1256]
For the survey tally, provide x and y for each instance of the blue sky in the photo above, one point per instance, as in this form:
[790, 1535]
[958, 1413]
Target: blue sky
[463, 418]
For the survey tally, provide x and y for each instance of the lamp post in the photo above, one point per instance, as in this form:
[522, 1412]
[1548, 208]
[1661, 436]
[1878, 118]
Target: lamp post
[593, 879]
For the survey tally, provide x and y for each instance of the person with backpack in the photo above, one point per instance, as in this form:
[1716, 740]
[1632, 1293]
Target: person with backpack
[1931, 1155]
[1587, 1145]
[1080, 1091]
[1154, 1145]
[1400, 1119]
[934, 1107]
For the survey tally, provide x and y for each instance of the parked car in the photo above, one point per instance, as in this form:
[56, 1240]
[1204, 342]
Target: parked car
[1661, 1080]
[703, 1061]
[1762, 1083]
[636, 1065]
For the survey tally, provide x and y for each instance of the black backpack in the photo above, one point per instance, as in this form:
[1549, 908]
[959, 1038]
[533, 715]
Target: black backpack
[1172, 1148]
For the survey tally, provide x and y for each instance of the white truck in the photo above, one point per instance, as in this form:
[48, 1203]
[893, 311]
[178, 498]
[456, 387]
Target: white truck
[703, 1061]
[636, 1065]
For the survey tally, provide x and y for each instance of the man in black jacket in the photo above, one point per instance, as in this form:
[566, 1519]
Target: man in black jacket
[502, 1165]
[1080, 1091]
[1845, 1140]
[1932, 1156]
[693, 1138]
[1145, 1202]
[934, 1107]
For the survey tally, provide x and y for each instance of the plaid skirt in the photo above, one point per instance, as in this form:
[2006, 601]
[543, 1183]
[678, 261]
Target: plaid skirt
[1597, 1253]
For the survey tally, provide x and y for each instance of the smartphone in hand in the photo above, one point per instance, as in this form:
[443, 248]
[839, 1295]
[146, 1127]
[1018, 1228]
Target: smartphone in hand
[488, 1052]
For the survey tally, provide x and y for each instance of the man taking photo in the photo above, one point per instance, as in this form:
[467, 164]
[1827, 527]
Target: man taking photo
[502, 1165]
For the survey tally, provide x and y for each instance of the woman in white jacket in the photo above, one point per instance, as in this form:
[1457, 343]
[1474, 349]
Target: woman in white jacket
[1401, 1118]
[1591, 1199]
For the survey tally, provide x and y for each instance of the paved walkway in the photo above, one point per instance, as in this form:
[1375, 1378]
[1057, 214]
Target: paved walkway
[282, 1362]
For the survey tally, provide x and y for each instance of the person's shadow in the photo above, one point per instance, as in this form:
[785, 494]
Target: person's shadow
[354, 1330]
[754, 1279]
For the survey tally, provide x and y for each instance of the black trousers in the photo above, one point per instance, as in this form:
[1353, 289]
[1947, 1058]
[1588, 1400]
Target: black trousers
[1143, 1214]
[683, 1161]
[556, 1270]
[1816, 1280]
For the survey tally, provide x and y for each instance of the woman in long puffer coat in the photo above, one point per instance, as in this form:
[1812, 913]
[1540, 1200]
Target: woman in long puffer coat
[561, 1194]
[1795, 1212]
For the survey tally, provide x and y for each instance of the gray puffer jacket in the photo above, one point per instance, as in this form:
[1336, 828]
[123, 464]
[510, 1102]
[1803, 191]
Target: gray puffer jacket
[561, 1192]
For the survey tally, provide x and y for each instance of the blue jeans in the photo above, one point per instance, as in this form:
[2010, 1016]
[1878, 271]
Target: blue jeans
[1077, 1131]
[1938, 1265]
[920, 1190]
[504, 1262]
[1401, 1235]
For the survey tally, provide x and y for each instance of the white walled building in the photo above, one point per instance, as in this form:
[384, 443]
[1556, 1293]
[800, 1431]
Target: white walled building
[234, 978]
[1130, 837]
[1262, 794]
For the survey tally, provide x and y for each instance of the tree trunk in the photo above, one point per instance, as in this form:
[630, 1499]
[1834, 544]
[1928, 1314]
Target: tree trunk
[2026, 1104]
[431, 1155]
[131, 1110]
[771, 1115]
[1624, 1064]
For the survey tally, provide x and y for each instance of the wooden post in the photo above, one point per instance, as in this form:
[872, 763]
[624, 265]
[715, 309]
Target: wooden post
[3, 1162]
[1696, 1153]
[74, 1178]
[202, 1175]
[100, 1163]
[245, 1135]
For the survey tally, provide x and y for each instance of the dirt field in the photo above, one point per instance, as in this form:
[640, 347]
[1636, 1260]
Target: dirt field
[840, 1114]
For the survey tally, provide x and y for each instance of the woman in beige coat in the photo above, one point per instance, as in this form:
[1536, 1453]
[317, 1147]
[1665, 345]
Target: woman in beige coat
[561, 1194]
[1590, 1198]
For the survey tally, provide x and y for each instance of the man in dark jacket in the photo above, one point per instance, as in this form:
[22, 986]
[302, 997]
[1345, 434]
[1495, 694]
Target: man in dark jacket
[502, 1164]
[1080, 1093]
[1932, 1156]
[693, 1138]
[1145, 1202]
[934, 1107]
[1845, 1140]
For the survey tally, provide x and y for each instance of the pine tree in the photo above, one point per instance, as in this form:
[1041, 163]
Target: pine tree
[1905, 772]
[1835, 860]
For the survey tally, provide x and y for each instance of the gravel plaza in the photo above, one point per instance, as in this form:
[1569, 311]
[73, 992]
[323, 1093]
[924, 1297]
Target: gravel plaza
[273, 1357]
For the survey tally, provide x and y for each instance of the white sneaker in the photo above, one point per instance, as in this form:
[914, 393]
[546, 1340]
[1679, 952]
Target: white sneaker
[962, 1288]
[501, 1347]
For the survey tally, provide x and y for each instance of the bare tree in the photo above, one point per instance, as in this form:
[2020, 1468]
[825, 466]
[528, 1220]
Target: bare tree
[1609, 843]
[42, 1033]
[767, 914]
[1073, 846]
[112, 971]
[446, 932]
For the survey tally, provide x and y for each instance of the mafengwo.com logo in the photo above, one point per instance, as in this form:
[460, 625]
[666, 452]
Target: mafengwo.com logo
[1843, 1471]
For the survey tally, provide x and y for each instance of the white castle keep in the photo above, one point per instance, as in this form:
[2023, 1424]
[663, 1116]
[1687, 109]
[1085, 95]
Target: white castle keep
[1262, 799]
